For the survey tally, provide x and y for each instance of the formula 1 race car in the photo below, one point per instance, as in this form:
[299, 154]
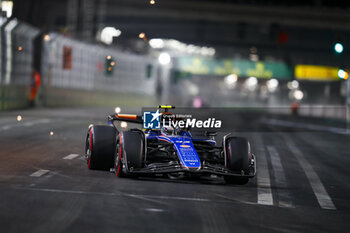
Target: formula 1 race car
[173, 152]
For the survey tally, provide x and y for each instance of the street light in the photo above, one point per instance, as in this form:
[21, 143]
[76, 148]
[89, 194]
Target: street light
[338, 48]
[342, 74]
[108, 33]
[164, 58]
[142, 35]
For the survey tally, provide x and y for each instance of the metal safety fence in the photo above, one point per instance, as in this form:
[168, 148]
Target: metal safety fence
[16, 50]
[65, 63]
[69, 63]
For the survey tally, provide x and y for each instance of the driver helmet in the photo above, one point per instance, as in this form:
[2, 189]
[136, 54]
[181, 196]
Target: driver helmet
[167, 130]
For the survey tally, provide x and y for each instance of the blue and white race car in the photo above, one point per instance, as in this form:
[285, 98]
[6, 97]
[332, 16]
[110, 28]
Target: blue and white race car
[173, 152]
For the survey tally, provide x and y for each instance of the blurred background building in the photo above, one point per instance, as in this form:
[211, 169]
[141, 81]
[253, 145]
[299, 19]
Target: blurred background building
[262, 53]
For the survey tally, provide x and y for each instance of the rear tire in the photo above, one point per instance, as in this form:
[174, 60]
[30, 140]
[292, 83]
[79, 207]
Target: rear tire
[237, 159]
[100, 147]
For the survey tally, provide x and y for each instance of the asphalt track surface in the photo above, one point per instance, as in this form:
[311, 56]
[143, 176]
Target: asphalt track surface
[302, 184]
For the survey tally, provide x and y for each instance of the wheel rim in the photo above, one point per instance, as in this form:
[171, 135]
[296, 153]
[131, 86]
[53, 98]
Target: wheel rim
[88, 149]
[117, 162]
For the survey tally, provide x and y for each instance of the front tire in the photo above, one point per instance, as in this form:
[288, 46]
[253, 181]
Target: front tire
[132, 144]
[100, 147]
[237, 159]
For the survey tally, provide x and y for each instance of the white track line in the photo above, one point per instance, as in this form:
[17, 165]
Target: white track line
[39, 173]
[5, 127]
[71, 156]
[154, 210]
[284, 198]
[119, 194]
[321, 194]
[170, 197]
[264, 183]
[141, 197]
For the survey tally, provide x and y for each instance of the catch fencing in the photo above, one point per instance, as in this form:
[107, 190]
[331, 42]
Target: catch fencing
[67, 64]
[16, 50]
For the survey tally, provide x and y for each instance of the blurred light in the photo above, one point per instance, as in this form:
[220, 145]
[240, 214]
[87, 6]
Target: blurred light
[298, 95]
[342, 74]
[263, 91]
[20, 48]
[156, 43]
[47, 37]
[108, 33]
[316, 73]
[7, 7]
[142, 35]
[152, 2]
[175, 45]
[204, 51]
[123, 124]
[197, 102]
[231, 79]
[164, 58]
[191, 48]
[251, 83]
[51, 133]
[109, 64]
[272, 85]
[254, 57]
[338, 47]
[293, 84]
[19, 118]
[192, 88]
[117, 110]
[212, 51]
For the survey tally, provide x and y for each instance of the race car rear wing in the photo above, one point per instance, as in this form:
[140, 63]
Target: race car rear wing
[132, 118]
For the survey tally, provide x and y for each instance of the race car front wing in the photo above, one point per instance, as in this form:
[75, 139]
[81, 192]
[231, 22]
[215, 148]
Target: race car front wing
[174, 167]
